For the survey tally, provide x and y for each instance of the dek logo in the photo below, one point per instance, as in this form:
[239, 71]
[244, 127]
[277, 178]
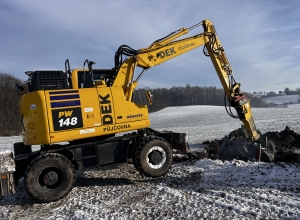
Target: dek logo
[106, 109]
[167, 52]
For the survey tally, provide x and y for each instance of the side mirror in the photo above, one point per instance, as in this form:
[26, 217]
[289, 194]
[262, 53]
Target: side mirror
[21, 90]
[149, 97]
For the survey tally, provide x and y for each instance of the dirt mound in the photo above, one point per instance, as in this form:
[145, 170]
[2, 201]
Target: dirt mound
[272, 146]
[285, 140]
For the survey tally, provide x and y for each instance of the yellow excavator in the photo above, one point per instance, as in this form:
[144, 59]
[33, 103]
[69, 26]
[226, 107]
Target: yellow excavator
[87, 108]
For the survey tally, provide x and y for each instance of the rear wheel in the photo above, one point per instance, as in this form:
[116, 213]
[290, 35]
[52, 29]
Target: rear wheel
[49, 177]
[153, 156]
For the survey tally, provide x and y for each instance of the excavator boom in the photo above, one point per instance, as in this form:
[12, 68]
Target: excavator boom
[168, 48]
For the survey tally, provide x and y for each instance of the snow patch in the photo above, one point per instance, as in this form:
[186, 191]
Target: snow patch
[207, 162]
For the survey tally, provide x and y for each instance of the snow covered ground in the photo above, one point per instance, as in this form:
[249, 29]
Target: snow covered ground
[291, 100]
[212, 122]
[203, 189]
[293, 105]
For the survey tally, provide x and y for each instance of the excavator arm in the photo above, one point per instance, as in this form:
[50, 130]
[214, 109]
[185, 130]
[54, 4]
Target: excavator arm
[167, 48]
[232, 89]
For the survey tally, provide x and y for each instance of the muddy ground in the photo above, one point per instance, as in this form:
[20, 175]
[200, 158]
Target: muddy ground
[283, 146]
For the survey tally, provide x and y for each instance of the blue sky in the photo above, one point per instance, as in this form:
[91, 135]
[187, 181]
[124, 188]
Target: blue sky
[261, 38]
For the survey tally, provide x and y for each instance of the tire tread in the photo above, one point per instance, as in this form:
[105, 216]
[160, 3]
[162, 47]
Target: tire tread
[138, 151]
[32, 167]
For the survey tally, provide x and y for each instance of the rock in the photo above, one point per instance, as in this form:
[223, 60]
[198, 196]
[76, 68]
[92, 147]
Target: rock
[291, 157]
[238, 148]
[238, 133]
[266, 157]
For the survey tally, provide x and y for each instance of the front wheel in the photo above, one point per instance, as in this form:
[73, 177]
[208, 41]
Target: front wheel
[153, 156]
[49, 177]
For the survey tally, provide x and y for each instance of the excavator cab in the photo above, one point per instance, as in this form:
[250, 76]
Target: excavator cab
[100, 77]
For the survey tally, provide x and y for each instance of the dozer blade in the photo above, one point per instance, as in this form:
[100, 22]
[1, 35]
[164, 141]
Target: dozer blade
[180, 142]
[7, 168]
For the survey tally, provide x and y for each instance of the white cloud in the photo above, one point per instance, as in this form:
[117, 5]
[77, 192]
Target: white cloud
[282, 28]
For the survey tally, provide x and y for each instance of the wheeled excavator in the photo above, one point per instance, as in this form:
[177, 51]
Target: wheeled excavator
[85, 117]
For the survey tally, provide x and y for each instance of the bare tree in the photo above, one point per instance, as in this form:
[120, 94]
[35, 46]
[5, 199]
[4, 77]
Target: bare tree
[10, 120]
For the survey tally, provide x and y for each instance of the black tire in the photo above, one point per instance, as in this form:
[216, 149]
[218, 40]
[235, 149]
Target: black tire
[153, 156]
[49, 177]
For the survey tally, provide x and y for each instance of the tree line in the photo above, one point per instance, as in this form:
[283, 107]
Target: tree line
[10, 119]
[286, 91]
[189, 95]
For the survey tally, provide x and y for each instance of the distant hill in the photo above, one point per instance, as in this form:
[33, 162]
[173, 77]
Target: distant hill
[290, 100]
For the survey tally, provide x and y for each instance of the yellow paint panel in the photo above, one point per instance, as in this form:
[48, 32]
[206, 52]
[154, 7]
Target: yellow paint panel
[33, 108]
[89, 107]
[127, 111]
